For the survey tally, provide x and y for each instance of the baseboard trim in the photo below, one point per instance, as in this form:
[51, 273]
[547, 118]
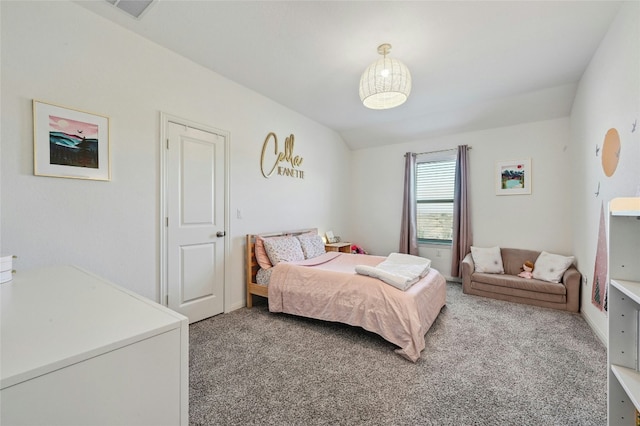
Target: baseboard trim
[603, 339]
[234, 307]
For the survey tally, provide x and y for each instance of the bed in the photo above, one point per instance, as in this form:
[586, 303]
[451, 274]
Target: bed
[325, 286]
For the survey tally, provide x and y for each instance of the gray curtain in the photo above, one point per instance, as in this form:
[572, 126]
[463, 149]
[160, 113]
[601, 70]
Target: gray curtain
[408, 229]
[462, 235]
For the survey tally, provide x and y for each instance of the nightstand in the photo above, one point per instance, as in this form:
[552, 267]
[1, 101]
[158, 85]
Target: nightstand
[341, 247]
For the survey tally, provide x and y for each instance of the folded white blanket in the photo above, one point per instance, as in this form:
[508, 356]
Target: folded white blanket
[399, 270]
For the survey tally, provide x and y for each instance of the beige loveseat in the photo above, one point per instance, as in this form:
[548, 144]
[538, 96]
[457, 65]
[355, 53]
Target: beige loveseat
[564, 295]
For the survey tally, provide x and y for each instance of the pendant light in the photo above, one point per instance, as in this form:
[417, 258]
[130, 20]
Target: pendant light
[386, 83]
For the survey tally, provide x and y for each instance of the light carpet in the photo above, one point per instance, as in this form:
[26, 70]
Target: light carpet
[487, 362]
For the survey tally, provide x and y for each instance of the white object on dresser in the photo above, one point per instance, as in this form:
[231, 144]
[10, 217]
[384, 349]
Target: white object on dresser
[624, 306]
[76, 349]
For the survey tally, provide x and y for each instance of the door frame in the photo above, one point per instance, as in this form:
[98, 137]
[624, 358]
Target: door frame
[165, 119]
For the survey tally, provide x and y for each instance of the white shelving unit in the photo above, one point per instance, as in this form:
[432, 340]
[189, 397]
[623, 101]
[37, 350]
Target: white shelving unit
[624, 311]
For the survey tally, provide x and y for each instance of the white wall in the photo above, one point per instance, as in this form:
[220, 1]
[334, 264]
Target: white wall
[540, 221]
[61, 53]
[608, 97]
[111, 228]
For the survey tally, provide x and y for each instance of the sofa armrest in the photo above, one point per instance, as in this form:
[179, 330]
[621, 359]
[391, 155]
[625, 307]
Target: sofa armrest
[467, 269]
[571, 280]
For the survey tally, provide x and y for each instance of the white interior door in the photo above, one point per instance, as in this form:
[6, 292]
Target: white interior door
[195, 162]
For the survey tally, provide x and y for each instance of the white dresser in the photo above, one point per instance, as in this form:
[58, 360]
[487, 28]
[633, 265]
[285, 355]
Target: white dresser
[78, 350]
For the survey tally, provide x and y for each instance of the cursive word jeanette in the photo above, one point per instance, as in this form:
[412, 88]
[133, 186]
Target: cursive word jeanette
[285, 156]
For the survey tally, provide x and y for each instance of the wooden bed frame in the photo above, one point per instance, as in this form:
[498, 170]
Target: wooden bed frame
[252, 267]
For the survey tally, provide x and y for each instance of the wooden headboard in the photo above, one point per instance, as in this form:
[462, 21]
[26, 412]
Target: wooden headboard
[252, 266]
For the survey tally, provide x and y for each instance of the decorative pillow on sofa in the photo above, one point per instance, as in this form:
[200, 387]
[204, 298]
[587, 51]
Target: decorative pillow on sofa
[488, 260]
[551, 267]
[283, 249]
[312, 245]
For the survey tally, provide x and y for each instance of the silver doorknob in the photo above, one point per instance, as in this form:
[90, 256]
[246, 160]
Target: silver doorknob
[220, 234]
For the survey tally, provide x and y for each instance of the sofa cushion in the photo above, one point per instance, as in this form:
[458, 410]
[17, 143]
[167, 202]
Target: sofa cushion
[517, 294]
[513, 259]
[487, 260]
[550, 267]
[511, 281]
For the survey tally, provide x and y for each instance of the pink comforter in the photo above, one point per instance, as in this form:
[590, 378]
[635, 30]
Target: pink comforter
[331, 290]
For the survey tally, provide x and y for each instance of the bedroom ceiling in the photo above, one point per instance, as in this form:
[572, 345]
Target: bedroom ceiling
[475, 64]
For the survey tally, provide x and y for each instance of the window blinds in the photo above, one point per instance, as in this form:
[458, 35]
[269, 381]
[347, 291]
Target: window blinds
[434, 196]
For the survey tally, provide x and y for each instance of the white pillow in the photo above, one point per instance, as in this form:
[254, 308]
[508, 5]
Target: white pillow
[312, 245]
[551, 267]
[488, 260]
[284, 249]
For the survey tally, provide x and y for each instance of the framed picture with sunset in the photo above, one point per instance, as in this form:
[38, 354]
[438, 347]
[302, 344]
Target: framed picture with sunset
[70, 143]
[513, 177]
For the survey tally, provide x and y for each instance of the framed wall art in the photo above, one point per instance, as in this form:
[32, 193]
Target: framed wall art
[70, 143]
[331, 239]
[513, 177]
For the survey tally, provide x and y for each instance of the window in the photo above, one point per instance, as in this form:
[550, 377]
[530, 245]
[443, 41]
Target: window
[435, 180]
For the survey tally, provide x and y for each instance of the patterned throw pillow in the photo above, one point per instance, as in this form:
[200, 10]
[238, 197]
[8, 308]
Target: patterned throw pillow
[283, 249]
[551, 267]
[487, 260]
[312, 245]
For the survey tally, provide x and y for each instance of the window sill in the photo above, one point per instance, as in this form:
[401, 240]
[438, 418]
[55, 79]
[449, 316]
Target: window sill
[435, 244]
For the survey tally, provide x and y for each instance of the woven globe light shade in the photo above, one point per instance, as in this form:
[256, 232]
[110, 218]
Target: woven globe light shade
[386, 83]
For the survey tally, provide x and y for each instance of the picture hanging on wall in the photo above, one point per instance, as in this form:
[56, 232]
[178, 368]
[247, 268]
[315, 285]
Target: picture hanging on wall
[70, 143]
[331, 238]
[513, 177]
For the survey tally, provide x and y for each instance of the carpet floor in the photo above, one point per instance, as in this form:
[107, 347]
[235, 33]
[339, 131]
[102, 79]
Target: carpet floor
[487, 362]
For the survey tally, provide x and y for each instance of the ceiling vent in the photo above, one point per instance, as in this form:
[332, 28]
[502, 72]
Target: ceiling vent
[135, 8]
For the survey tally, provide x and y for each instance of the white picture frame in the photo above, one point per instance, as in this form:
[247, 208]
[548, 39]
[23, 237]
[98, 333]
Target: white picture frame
[70, 143]
[513, 177]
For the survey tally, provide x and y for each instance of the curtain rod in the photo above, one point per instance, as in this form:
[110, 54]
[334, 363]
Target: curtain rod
[441, 150]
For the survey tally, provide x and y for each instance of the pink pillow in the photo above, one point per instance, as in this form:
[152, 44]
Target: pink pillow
[261, 254]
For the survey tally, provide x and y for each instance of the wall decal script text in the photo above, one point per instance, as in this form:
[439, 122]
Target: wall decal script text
[278, 158]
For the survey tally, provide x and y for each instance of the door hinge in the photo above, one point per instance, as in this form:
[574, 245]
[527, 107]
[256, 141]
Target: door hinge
[167, 143]
[166, 300]
[167, 221]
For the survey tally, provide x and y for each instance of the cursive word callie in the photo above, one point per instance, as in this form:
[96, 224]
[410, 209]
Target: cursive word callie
[285, 156]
